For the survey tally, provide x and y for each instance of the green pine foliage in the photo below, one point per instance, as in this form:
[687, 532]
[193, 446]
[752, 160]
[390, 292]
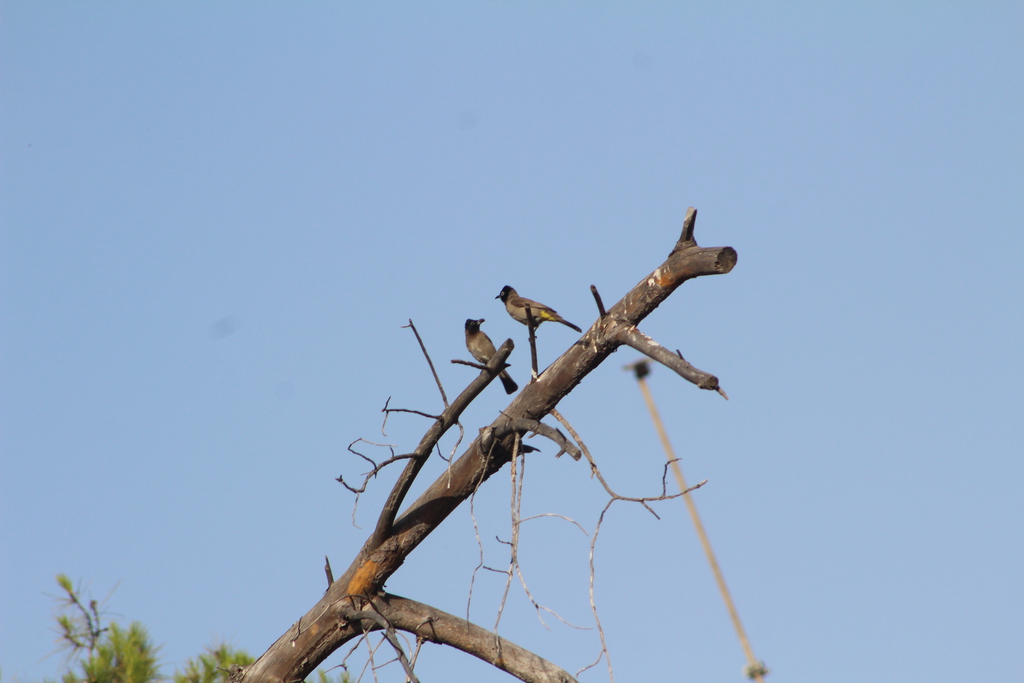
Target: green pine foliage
[101, 652]
[79, 626]
[120, 656]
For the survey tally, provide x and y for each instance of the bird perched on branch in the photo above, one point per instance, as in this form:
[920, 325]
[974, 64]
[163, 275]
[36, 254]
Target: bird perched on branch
[479, 344]
[516, 307]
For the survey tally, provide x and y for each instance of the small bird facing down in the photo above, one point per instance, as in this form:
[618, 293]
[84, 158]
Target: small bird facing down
[516, 307]
[479, 344]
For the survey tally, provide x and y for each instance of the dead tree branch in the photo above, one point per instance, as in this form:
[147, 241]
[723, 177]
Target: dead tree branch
[376, 467]
[435, 626]
[426, 355]
[449, 417]
[532, 324]
[613, 497]
[297, 652]
[478, 366]
[521, 426]
[630, 336]
[595, 470]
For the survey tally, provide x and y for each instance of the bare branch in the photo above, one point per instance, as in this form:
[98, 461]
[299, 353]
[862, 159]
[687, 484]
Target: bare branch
[371, 650]
[480, 545]
[595, 470]
[327, 570]
[664, 476]
[355, 646]
[593, 544]
[593, 603]
[455, 448]
[532, 324]
[633, 337]
[517, 496]
[558, 516]
[517, 474]
[445, 421]
[376, 467]
[367, 458]
[416, 653]
[413, 412]
[478, 366]
[597, 530]
[433, 625]
[522, 426]
[429, 362]
[389, 633]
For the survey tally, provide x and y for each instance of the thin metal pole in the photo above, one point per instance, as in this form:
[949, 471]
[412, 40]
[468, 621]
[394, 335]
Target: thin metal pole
[755, 669]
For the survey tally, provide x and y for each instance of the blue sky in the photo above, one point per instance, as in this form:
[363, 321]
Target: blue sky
[216, 218]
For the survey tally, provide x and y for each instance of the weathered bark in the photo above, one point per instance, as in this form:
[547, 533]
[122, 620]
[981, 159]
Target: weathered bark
[436, 626]
[324, 628]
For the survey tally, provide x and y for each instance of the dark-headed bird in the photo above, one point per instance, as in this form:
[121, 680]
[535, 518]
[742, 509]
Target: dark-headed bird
[479, 344]
[516, 307]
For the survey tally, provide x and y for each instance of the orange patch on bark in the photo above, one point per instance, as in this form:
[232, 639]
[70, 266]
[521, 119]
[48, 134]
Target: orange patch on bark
[362, 581]
[663, 278]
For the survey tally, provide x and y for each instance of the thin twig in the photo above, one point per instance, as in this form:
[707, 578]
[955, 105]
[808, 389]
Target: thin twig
[532, 324]
[555, 514]
[512, 550]
[521, 426]
[370, 663]
[517, 475]
[455, 448]
[387, 414]
[478, 366]
[597, 529]
[429, 362]
[449, 417]
[600, 477]
[415, 412]
[368, 475]
[389, 635]
[355, 646]
[516, 523]
[480, 545]
[416, 652]
[376, 467]
[593, 602]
